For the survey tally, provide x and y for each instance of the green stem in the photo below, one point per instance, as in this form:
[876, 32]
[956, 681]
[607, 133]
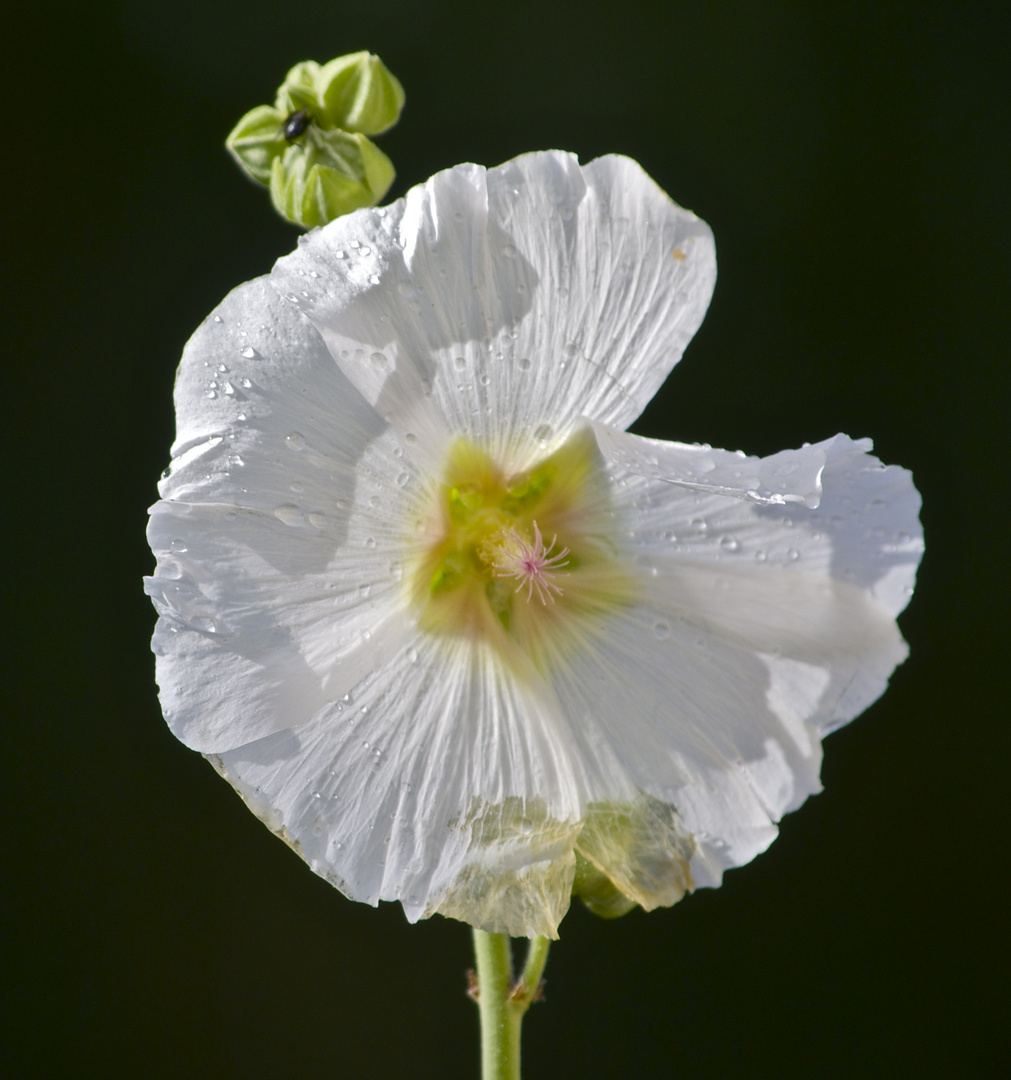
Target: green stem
[502, 1002]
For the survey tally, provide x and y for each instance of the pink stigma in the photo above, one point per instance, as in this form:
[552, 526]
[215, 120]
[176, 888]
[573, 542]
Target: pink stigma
[513, 555]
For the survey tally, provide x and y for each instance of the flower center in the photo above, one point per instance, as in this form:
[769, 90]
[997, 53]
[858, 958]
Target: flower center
[526, 560]
[511, 553]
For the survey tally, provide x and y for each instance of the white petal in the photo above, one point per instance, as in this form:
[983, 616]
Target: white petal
[750, 642]
[435, 782]
[510, 301]
[280, 532]
[830, 509]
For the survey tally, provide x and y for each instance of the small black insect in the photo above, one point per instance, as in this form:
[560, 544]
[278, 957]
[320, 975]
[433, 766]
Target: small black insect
[296, 124]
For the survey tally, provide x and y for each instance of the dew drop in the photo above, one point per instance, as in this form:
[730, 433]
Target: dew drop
[204, 623]
[217, 318]
[373, 278]
[793, 554]
[289, 514]
[211, 394]
[317, 520]
[295, 441]
[760, 556]
[523, 364]
[249, 353]
[402, 479]
[379, 359]
[543, 432]
[365, 251]
[729, 543]
[661, 628]
[485, 380]
[412, 655]
[245, 384]
[178, 546]
[370, 541]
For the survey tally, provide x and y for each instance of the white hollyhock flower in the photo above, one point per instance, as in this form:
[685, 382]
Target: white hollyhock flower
[450, 631]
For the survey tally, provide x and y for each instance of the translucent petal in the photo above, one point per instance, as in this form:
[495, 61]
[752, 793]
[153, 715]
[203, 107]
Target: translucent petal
[751, 641]
[437, 782]
[281, 532]
[510, 301]
[831, 509]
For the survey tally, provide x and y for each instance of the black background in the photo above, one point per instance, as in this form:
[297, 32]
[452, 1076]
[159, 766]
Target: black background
[853, 162]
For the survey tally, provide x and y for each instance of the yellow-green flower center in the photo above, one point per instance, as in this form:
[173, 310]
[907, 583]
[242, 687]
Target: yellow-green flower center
[529, 561]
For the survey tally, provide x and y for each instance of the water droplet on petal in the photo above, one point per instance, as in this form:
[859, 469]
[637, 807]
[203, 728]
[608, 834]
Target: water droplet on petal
[317, 519]
[370, 541]
[289, 514]
[178, 546]
[729, 543]
[793, 554]
[661, 628]
[249, 352]
[523, 364]
[296, 441]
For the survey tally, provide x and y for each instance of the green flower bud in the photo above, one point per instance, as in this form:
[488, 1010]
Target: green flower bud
[257, 140]
[300, 89]
[310, 147]
[329, 174]
[359, 93]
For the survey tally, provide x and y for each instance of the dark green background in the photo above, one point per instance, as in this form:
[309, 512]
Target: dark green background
[853, 162]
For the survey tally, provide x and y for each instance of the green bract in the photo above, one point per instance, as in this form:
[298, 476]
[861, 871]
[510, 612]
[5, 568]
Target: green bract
[311, 147]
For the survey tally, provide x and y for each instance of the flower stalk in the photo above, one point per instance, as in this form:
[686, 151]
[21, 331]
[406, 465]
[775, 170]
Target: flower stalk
[502, 1001]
